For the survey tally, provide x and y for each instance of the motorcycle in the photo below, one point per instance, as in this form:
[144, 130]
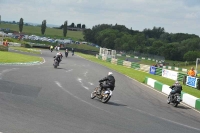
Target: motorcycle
[176, 99]
[55, 64]
[104, 96]
[66, 54]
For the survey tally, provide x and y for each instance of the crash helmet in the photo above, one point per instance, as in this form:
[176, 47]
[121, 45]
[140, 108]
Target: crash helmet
[110, 73]
[176, 83]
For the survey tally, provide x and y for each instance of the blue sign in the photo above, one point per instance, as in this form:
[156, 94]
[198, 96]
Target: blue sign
[152, 70]
[191, 81]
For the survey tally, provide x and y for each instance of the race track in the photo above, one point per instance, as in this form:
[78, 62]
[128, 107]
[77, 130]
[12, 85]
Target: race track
[41, 99]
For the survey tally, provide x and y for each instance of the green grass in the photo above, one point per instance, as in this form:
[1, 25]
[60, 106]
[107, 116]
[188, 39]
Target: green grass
[139, 75]
[29, 50]
[50, 32]
[10, 57]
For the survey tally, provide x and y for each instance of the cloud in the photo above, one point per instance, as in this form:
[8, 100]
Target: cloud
[173, 15]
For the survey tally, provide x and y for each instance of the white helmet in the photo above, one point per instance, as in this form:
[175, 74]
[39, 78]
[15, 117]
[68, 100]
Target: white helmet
[177, 83]
[110, 73]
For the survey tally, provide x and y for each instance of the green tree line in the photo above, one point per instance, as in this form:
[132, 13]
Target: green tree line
[172, 46]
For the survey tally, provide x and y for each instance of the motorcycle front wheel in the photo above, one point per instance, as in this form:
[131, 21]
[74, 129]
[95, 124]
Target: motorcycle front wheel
[93, 95]
[175, 104]
[105, 98]
[168, 100]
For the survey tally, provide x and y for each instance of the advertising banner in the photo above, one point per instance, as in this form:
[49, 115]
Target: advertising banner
[169, 74]
[152, 70]
[191, 81]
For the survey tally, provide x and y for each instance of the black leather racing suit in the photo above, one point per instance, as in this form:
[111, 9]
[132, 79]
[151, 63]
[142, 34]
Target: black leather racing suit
[58, 58]
[110, 83]
[175, 89]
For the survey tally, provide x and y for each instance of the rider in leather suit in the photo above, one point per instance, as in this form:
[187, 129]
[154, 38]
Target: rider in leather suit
[110, 82]
[176, 88]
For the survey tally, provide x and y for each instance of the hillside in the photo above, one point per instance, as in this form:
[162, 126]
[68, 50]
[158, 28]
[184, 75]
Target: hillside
[50, 32]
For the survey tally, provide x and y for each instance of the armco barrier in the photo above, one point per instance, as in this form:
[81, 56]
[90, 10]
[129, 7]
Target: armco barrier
[114, 61]
[127, 64]
[144, 68]
[120, 62]
[108, 59]
[104, 58]
[158, 71]
[181, 77]
[100, 57]
[135, 65]
[187, 98]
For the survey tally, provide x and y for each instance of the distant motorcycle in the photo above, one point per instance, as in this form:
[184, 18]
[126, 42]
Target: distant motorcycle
[104, 96]
[176, 99]
[66, 54]
[55, 64]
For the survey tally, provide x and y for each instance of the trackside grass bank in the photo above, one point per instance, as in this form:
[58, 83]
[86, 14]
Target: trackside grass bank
[10, 57]
[139, 75]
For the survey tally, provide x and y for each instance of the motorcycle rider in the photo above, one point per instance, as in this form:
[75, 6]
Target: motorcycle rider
[176, 88]
[66, 52]
[72, 51]
[51, 48]
[110, 82]
[58, 57]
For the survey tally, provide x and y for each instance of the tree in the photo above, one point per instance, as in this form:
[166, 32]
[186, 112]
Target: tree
[83, 26]
[21, 23]
[43, 27]
[72, 25]
[78, 25]
[65, 29]
[191, 55]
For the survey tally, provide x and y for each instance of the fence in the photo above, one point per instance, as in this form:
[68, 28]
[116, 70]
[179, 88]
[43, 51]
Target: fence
[146, 68]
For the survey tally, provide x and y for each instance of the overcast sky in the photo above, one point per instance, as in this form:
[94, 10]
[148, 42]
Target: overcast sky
[175, 16]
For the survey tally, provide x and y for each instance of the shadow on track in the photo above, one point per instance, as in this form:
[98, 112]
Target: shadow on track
[116, 104]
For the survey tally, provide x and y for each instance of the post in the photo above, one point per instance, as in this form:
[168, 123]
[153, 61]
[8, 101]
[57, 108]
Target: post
[196, 66]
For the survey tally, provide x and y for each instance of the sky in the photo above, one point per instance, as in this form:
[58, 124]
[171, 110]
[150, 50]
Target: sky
[175, 16]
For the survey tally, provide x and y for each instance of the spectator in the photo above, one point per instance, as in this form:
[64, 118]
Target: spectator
[191, 72]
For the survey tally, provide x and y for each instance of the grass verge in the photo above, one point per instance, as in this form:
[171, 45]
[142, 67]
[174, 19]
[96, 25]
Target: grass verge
[139, 75]
[10, 57]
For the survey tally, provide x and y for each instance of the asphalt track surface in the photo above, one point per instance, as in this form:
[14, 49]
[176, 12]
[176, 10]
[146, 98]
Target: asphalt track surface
[41, 99]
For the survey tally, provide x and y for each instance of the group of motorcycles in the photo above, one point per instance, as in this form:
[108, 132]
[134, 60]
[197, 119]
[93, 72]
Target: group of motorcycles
[55, 64]
[105, 94]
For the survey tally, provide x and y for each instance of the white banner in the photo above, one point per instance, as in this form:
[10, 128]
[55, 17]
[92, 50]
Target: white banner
[169, 74]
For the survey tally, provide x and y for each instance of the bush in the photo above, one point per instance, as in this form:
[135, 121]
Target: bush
[27, 45]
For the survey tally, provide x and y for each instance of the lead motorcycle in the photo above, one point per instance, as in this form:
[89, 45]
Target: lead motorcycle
[105, 94]
[55, 64]
[176, 99]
